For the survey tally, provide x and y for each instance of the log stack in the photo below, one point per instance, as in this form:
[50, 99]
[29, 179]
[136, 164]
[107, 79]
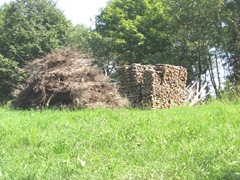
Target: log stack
[158, 87]
[131, 80]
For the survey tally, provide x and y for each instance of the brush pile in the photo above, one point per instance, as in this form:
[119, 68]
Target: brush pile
[157, 87]
[66, 79]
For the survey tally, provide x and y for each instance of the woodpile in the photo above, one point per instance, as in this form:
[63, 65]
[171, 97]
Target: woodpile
[158, 87]
[66, 79]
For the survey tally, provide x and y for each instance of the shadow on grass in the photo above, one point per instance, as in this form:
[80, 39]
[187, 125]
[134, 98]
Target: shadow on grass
[229, 174]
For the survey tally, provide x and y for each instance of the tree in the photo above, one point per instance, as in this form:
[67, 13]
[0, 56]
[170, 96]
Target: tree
[179, 32]
[197, 31]
[102, 49]
[232, 40]
[9, 78]
[29, 29]
[79, 37]
[32, 28]
[134, 30]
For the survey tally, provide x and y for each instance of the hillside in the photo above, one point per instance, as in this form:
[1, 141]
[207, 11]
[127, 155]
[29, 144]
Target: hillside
[201, 142]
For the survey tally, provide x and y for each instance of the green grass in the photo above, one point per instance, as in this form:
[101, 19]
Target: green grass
[202, 142]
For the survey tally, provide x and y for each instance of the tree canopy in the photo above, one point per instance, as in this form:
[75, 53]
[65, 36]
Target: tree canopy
[31, 28]
[137, 29]
[201, 35]
[9, 77]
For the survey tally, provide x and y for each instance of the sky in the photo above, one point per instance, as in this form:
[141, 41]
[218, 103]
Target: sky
[78, 11]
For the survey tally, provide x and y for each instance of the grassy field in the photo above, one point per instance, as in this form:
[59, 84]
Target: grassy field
[202, 142]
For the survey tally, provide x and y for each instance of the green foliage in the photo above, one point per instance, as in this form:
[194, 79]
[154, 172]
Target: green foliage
[136, 29]
[201, 142]
[102, 48]
[232, 40]
[178, 32]
[195, 30]
[79, 37]
[200, 35]
[229, 93]
[9, 78]
[31, 29]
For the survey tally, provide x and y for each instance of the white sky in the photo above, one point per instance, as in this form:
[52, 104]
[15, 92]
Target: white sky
[78, 11]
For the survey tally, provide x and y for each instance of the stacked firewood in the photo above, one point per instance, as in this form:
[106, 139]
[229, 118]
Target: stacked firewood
[157, 87]
[131, 80]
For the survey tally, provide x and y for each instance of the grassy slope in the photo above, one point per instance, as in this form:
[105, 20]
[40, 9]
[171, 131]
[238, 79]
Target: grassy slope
[184, 143]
